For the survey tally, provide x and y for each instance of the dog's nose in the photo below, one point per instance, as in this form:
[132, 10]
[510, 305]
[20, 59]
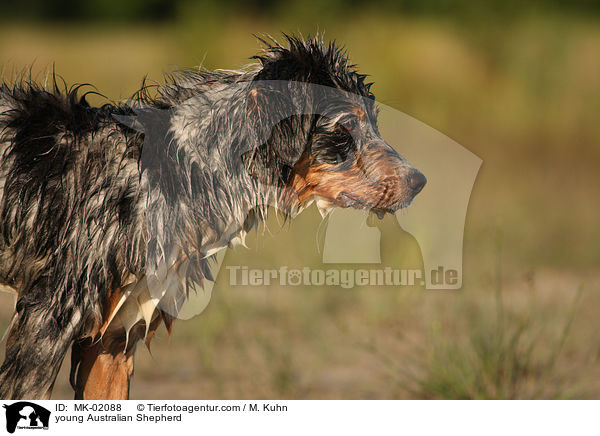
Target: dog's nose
[416, 181]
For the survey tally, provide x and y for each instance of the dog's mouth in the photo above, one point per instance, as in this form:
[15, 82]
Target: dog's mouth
[346, 200]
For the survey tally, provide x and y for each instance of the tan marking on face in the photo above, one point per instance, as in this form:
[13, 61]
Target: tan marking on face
[371, 182]
[359, 113]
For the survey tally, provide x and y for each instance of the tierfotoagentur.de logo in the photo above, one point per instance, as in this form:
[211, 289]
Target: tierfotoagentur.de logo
[345, 278]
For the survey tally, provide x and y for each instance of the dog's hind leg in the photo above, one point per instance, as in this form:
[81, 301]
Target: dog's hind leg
[35, 347]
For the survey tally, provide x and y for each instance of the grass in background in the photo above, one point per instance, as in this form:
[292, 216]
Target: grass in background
[496, 352]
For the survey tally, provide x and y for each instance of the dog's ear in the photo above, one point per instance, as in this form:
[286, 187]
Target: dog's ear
[277, 131]
[280, 103]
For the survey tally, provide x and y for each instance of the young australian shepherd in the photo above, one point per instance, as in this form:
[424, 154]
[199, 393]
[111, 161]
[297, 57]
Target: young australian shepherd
[107, 212]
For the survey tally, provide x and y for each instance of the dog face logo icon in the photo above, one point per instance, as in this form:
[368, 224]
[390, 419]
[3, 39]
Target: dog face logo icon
[26, 415]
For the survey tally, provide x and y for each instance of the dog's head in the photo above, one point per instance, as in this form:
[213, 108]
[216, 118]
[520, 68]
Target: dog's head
[323, 141]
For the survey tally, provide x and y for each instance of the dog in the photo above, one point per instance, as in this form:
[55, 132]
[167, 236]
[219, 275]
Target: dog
[102, 206]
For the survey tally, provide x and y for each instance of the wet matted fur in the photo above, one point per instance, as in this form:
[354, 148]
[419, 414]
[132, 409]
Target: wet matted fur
[92, 207]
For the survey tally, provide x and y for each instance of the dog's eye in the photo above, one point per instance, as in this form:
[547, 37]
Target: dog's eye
[350, 123]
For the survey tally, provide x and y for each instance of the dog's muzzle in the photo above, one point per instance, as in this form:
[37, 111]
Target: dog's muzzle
[394, 182]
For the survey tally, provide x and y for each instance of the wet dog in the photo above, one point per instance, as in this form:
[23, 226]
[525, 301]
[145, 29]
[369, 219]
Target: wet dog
[102, 206]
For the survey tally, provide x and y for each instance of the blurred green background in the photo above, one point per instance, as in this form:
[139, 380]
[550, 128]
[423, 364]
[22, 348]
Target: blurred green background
[517, 83]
